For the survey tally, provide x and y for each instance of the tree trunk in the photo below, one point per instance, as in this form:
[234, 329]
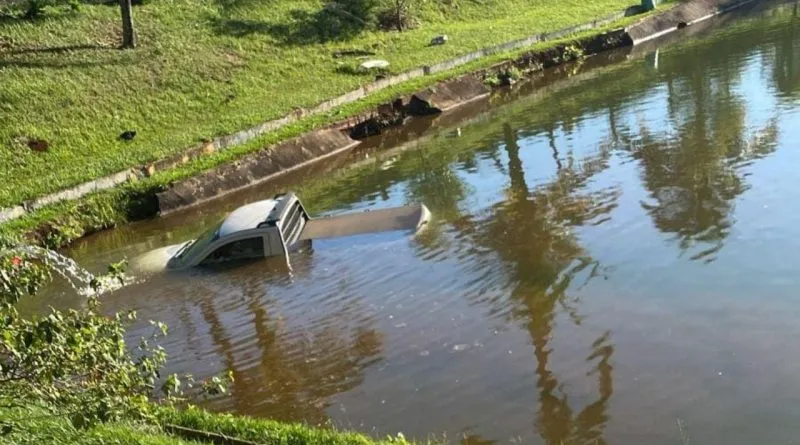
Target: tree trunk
[398, 15]
[128, 34]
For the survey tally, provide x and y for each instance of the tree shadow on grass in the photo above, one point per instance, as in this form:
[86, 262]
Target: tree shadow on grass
[54, 64]
[240, 27]
[634, 10]
[57, 57]
[304, 28]
[55, 49]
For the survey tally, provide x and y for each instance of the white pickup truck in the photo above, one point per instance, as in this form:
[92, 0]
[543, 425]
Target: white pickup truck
[275, 227]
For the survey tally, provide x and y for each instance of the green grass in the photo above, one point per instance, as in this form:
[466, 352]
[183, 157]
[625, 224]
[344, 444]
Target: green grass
[33, 425]
[203, 69]
[268, 432]
[30, 425]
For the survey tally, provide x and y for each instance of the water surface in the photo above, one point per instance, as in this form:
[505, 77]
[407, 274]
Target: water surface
[612, 261]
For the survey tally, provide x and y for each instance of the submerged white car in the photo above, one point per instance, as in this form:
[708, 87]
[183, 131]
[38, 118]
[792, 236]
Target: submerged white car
[275, 227]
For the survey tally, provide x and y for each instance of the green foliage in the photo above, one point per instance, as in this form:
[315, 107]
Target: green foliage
[36, 9]
[264, 431]
[492, 79]
[19, 277]
[30, 424]
[49, 225]
[351, 68]
[573, 52]
[77, 361]
[504, 77]
[60, 224]
[34, 425]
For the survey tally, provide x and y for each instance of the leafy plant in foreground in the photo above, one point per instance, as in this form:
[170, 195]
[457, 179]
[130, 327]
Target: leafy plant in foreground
[76, 360]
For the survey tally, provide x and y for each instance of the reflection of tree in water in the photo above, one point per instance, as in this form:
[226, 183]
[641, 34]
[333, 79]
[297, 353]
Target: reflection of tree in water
[531, 230]
[475, 439]
[694, 175]
[297, 373]
[786, 63]
[531, 234]
[436, 183]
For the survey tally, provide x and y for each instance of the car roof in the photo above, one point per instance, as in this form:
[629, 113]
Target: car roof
[246, 217]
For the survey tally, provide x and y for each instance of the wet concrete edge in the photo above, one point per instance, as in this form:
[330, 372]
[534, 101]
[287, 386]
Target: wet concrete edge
[255, 168]
[681, 16]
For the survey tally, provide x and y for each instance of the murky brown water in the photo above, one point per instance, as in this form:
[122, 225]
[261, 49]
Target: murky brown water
[614, 261]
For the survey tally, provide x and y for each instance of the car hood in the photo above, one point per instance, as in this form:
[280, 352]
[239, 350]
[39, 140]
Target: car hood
[156, 260]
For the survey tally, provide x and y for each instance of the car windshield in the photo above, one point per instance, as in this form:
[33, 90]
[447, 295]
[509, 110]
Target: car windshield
[200, 243]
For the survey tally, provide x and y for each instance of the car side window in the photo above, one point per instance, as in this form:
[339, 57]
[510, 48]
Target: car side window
[237, 250]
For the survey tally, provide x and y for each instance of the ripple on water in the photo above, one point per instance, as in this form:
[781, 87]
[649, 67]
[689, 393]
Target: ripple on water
[600, 254]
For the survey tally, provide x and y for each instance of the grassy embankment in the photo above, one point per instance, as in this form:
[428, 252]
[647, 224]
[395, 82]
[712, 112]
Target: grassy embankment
[28, 425]
[202, 69]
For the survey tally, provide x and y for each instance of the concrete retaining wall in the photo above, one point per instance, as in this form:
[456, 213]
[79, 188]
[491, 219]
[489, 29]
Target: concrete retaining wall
[681, 16]
[448, 95]
[254, 168]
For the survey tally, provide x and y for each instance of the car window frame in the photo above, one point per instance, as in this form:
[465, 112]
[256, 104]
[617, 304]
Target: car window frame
[225, 240]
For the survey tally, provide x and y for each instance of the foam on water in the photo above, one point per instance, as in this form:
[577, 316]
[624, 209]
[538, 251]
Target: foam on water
[82, 281]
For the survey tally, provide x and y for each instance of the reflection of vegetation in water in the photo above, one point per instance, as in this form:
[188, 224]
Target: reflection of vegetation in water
[693, 173]
[786, 63]
[531, 234]
[531, 229]
[438, 185]
[692, 178]
[295, 375]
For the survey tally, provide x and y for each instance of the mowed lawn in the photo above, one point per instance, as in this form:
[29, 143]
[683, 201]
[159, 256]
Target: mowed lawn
[202, 69]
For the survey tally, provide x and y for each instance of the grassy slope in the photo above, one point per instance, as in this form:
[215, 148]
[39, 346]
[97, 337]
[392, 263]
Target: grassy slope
[36, 426]
[202, 69]
[28, 425]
